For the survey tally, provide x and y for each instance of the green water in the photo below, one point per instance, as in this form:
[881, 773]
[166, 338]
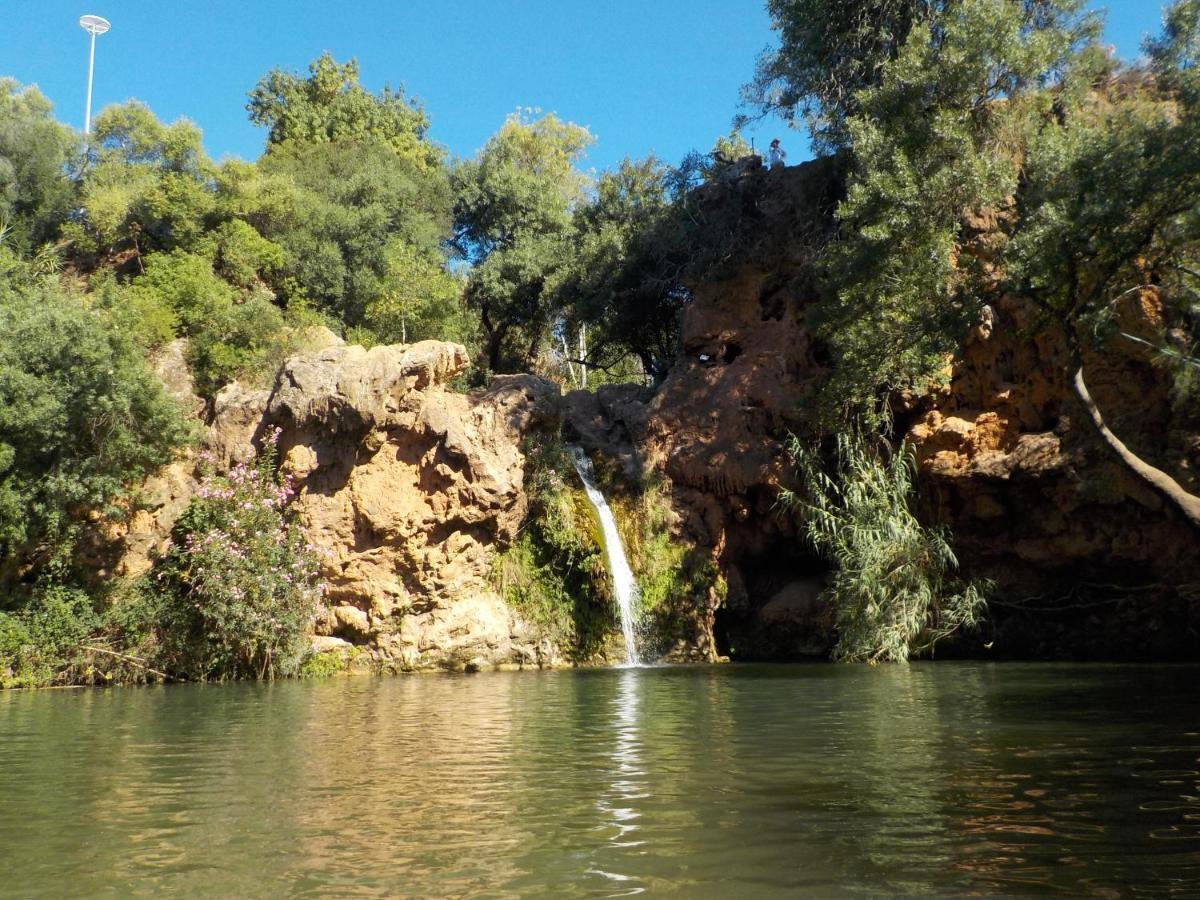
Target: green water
[754, 781]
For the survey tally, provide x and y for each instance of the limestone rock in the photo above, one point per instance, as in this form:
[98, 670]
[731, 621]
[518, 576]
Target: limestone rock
[236, 420]
[170, 365]
[405, 489]
[408, 490]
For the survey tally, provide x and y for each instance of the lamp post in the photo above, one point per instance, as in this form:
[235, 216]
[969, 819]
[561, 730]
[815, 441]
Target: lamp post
[93, 25]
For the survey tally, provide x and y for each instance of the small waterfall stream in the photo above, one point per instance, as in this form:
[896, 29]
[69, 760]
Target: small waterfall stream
[624, 585]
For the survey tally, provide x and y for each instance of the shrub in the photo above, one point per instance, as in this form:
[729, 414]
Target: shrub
[676, 581]
[239, 585]
[81, 416]
[46, 642]
[892, 587]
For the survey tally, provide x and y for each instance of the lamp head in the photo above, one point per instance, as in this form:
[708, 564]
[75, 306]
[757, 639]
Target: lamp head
[94, 24]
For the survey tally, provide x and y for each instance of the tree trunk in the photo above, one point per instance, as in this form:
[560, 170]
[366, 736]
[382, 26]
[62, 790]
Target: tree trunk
[1164, 484]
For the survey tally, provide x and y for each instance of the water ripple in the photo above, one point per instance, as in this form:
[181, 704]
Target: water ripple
[948, 779]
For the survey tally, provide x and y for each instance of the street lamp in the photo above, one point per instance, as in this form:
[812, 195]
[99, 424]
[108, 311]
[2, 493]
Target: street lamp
[93, 25]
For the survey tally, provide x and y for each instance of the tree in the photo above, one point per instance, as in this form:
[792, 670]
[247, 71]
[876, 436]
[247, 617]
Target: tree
[512, 221]
[939, 136]
[1110, 210]
[893, 589]
[149, 185]
[82, 419]
[35, 151]
[229, 334]
[331, 106]
[828, 52]
[832, 54]
[337, 210]
[420, 300]
[622, 280]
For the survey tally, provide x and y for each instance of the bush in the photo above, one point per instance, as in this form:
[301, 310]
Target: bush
[677, 582]
[238, 587]
[46, 642]
[81, 416]
[229, 336]
[892, 590]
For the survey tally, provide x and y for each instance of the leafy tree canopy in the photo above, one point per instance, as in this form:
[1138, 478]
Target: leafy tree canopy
[149, 185]
[35, 152]
[82, 419]
[336, 209]
[512, 219]
[330, 105]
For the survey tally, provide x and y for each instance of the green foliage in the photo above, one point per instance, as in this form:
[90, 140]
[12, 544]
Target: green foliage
[323, 665]
[142, 314]
[1109, 203]
[676, 581]
[238, 588]
[149, 185]
[828, 52]
[554, 572]
[421, 300]
[35, 151]
[242, 256]
[230, 336]
[342, 212]
[45, 642]
[892, 587]
[512, 220]
[621, 280]
[935, 135]
[331, 106]
[81, 417]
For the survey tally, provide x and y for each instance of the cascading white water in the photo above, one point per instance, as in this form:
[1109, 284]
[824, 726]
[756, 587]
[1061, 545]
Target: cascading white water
[624, 585]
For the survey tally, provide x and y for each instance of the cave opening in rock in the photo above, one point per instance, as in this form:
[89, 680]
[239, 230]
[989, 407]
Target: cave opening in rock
[732, 352]
[774, 608]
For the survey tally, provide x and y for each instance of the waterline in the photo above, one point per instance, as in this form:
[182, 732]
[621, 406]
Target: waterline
[624, 585]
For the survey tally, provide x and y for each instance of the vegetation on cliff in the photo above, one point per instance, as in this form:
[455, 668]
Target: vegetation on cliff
[554, 574]
[995, 150]
[892, 587]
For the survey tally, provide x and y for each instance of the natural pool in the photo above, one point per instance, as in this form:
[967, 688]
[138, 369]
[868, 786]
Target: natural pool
[732, 781]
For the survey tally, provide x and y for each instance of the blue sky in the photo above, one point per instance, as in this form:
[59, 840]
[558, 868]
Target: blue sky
[644, 75]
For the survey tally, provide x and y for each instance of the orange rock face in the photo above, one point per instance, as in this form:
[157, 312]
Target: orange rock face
[1009, 460]
[406, 490]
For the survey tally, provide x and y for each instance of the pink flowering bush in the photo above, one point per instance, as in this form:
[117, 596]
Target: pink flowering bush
[237, 591]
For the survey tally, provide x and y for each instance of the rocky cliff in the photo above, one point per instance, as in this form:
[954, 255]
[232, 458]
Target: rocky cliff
[1086, 559]
[405, 488]
[409, 489]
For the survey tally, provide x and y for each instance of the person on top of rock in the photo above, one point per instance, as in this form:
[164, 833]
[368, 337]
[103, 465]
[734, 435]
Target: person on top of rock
[776, 155]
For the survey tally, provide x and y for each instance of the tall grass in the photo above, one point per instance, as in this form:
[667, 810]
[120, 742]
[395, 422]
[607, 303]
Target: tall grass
[893, 588]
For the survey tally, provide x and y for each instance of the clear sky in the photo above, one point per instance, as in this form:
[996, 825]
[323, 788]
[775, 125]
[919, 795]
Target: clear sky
[644, 75]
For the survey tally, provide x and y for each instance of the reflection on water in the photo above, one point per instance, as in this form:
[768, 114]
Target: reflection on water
[618, 805]
[945, 779]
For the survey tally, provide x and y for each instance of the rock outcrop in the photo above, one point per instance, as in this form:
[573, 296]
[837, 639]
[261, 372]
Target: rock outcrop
[1086, 558]
[405, 489]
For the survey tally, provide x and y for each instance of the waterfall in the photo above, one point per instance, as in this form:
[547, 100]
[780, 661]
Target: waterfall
[624, 586]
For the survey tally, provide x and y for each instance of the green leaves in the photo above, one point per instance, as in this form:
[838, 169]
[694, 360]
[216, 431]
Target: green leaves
[937, 135]
[892, 586]
[331, 106]
[81, 417]
[34, 152]
[239, 586]
[512, 219]
[338, 209]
